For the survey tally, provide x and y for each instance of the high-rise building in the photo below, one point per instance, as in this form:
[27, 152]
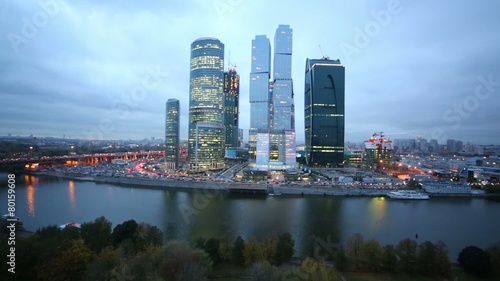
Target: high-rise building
[231, 106]
[209, 146]
[172, 136]
[282, 90]
[324, 112]
[259, 89]
[206, 103]
[272, 132]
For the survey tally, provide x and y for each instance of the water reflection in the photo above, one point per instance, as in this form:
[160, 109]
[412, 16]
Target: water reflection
[30, 182]
[30, 199]
[377, 211]
[71, 193]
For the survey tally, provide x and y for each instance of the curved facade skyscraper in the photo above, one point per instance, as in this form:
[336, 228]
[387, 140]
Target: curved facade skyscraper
[324, 107]
[206, 103]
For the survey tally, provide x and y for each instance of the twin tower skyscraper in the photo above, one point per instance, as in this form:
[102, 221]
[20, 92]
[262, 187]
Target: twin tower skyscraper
[213, 104]
[272, 114]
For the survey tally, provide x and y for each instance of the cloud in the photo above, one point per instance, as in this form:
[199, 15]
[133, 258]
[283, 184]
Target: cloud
[68, 76]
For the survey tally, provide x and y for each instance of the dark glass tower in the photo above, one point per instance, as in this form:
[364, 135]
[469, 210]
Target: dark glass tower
[206, 102]
[324, 112]
[231, 103]
[172, 136]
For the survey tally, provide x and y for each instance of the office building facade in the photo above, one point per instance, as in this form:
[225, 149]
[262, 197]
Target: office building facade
[172, 133]
[206, 103]
[324, 107]
[259, 90]
[272, 133]
[231, 106]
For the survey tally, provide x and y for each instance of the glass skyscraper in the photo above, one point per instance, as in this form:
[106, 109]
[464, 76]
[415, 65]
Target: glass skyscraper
[206, 102]
[259, 89]
[324, 112]
[231, 106]
[172, 136]
[272, 134]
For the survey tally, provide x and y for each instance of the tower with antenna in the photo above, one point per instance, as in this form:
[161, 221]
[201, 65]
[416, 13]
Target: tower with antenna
[231, 104]
[323, 56]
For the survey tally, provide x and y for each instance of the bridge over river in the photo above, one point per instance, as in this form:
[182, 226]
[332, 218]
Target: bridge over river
[73, 159]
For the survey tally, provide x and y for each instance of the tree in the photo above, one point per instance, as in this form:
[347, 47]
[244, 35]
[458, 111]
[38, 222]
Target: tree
[97, 234]
[406, 250]
[426, 258]
[146, 264]
[373, 255]
[341, 260]
[71, 264]
[102, 267]
[317, 271]
[252, 252]
[475, 261]
[284, 250]
[261, 271]
[212, 249]
[355, 250]
[126, 231]
[238, 251]
[148, 236]
[226, 246]
[183, 263]
[269, 248]
[494, 253]
[441, 260]
[389, 259]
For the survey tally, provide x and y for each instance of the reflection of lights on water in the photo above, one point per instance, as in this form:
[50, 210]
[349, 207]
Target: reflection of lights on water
[30, 180]
[30, 199]
[378, 208]
[71, 190]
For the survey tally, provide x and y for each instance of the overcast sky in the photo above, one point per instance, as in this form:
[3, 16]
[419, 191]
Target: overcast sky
[88, 69]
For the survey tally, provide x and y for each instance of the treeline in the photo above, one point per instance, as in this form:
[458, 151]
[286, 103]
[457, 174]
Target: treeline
[479, 262]
[132, 251]
[427, 259]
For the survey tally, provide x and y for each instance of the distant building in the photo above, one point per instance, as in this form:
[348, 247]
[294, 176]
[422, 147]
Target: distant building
[454, 146]
[240, 138]
[379, 151]
[324, 107]
[206, 104]
[231, 106]
[172, 135]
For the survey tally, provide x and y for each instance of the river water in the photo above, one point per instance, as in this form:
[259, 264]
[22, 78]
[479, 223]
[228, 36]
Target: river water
[187, 214]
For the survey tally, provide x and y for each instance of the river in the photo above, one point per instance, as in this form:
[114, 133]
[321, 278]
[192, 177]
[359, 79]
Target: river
[188, 214]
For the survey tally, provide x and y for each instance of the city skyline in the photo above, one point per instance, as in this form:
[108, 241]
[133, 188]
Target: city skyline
[80, 70]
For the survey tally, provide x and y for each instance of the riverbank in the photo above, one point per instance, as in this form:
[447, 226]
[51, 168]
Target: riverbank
[275, 189]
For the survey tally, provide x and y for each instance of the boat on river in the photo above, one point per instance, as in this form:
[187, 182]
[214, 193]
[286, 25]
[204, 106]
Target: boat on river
[408, 194]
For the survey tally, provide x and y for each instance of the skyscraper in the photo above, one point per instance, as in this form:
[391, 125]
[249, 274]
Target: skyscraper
[282, 131]
[272, 123]
[231, 106]
[206, 103]
[172, 136]
[259, 89]
[324, 112]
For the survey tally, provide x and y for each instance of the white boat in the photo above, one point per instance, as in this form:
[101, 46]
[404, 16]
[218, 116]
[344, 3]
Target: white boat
[407, 194]
[70, 224]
